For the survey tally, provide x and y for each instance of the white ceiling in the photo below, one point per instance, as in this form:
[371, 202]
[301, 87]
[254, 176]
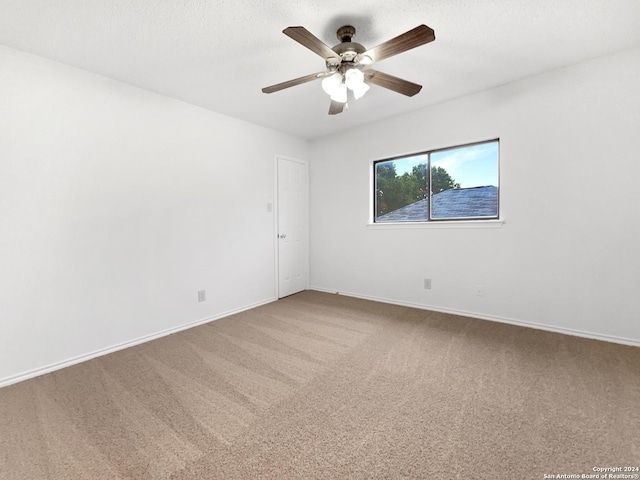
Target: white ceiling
[219, 54]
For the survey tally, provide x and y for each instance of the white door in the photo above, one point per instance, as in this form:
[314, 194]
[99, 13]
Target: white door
[292, 226]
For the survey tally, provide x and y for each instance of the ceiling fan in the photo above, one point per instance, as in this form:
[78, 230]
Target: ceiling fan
[348, 64]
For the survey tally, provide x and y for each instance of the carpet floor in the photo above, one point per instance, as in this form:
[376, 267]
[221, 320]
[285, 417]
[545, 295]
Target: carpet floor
[326, 386]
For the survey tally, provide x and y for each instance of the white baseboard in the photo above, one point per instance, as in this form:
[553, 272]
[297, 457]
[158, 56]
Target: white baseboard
[4, 382]
[105, 351]
[493, 318]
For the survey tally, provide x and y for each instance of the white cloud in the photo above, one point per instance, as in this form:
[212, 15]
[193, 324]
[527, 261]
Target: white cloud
[453, 160]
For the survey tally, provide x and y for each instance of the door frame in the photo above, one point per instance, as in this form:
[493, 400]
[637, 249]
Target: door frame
[276, 212]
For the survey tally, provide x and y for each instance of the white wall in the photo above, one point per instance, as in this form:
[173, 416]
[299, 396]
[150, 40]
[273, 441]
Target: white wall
[567, 257]
[116, 206]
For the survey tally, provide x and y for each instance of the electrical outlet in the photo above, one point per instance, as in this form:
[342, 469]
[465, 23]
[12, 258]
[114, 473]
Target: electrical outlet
[427, 284]
[202, 295]
[480, 290]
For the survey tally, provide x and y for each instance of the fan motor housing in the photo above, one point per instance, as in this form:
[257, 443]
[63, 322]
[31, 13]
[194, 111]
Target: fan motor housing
[347, 49]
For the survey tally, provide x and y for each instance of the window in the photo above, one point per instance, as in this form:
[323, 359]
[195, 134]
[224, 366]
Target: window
[462, 183]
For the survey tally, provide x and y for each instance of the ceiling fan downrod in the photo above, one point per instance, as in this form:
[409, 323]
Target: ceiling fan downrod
[345, 33]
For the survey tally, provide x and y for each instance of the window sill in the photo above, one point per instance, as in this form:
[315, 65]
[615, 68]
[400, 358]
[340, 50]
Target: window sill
[438, 224]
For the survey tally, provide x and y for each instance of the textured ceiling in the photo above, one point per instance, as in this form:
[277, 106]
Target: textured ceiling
[219, 54]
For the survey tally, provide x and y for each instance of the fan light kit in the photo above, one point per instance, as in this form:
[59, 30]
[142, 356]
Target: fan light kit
[348, 64]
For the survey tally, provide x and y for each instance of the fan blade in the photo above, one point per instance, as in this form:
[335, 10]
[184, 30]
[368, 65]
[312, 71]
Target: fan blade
[305, 38]
[408, 40]
[336, 107]
[392, 83]
[293, 83]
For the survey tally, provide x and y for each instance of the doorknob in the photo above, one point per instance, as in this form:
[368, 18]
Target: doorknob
[284, 235]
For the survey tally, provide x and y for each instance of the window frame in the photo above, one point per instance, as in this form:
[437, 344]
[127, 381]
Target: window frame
[430, 220]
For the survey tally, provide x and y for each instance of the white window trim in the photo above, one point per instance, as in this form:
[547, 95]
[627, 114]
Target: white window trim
[493, 223]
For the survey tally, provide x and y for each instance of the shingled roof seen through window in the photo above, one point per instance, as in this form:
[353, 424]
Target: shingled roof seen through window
[454, 203]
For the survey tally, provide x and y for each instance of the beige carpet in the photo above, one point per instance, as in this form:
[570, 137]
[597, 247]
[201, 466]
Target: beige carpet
[326, 386]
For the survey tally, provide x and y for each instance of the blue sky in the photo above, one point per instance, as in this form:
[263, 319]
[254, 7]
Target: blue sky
[471, 166]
